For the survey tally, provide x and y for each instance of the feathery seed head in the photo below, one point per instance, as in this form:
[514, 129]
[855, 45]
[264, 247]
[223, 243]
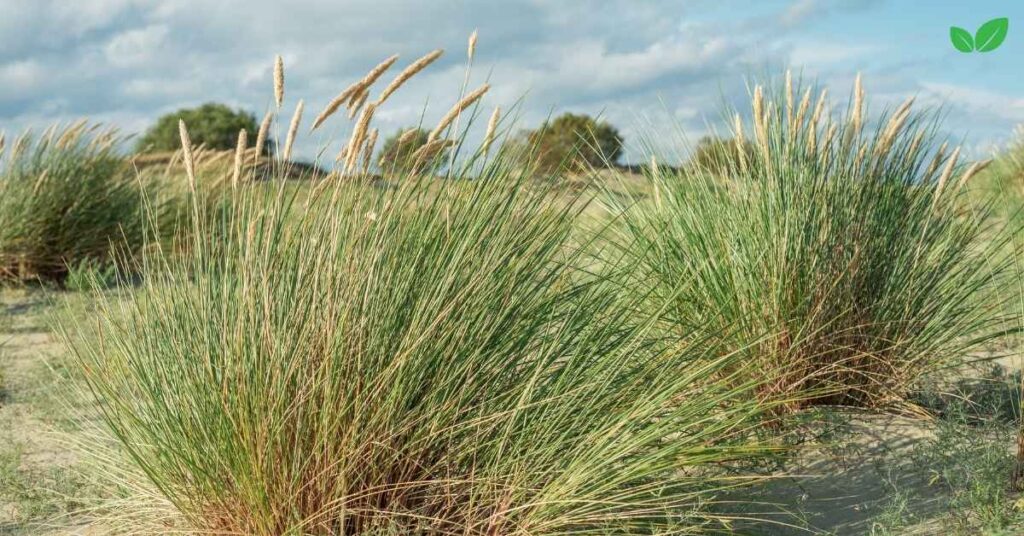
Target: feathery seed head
[279, 80]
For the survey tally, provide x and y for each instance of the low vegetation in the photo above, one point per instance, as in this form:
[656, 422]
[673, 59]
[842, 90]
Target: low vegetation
[835, 255]
[424, 338]
[67, 198]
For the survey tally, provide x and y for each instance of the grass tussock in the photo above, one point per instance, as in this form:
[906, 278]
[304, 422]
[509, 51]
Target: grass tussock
[66, 198]
[427, 358]
[835, 252]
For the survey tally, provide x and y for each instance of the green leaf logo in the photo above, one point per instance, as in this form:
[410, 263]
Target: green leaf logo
[961, 39]
[991, 34]
[988, 37]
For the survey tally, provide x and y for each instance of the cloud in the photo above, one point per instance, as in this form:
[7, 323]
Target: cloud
[651, 65]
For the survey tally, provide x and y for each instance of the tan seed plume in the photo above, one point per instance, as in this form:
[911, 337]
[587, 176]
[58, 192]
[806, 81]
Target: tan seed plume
[333, 106]
[758, 108]
[292, 131]
[358, 135]
[972, 171]
[947, 172]
[412, 70]
[3, 137]
[261, 134]
[471, 48]
[371, 140]
[355, 95]
[279, 80]
[406, 136]
[819, 108]
[805, 103]
[740, 140]
[858, 104]
[936, 160]
[358, 103]
[186, 153]
[370, 78]
[459, 107]
[243, 144]
[492, 128]
[896, 122]
[789, 98]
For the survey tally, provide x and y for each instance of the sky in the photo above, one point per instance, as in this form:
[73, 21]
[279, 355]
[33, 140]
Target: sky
[659, 70]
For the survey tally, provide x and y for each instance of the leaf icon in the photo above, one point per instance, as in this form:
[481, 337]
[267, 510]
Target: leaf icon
[991, 34]
[961, 39]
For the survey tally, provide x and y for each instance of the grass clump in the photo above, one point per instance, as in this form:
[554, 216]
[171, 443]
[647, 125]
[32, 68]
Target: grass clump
[409, 363]
[420, 359]
[836, 252]
[65, 198]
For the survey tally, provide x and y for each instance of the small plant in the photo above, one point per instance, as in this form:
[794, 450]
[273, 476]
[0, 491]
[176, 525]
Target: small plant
[835, 254]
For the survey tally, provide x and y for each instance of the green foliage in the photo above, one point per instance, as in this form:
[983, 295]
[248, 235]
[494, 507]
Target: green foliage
[214, 126]
[424, 359]
[836, 258]
[66, 198]
[576, 142]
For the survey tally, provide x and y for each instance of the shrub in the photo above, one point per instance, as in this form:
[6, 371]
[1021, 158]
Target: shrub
[66, 198]
[835, 256]
[576, 142]
[423, 359]
[213, 126]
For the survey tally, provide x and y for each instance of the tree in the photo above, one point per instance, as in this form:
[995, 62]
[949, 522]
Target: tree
[577, 141]
[212, 125]
[399, 151]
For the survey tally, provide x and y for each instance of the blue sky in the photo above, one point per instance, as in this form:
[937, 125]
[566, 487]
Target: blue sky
[652, 67]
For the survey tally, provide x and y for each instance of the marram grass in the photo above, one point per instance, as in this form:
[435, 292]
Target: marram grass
[836, 253]
[67, 199]
[425, 357]
[411, 363]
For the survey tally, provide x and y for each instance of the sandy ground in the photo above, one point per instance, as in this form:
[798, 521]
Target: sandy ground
[840, 486]
[36, 467]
